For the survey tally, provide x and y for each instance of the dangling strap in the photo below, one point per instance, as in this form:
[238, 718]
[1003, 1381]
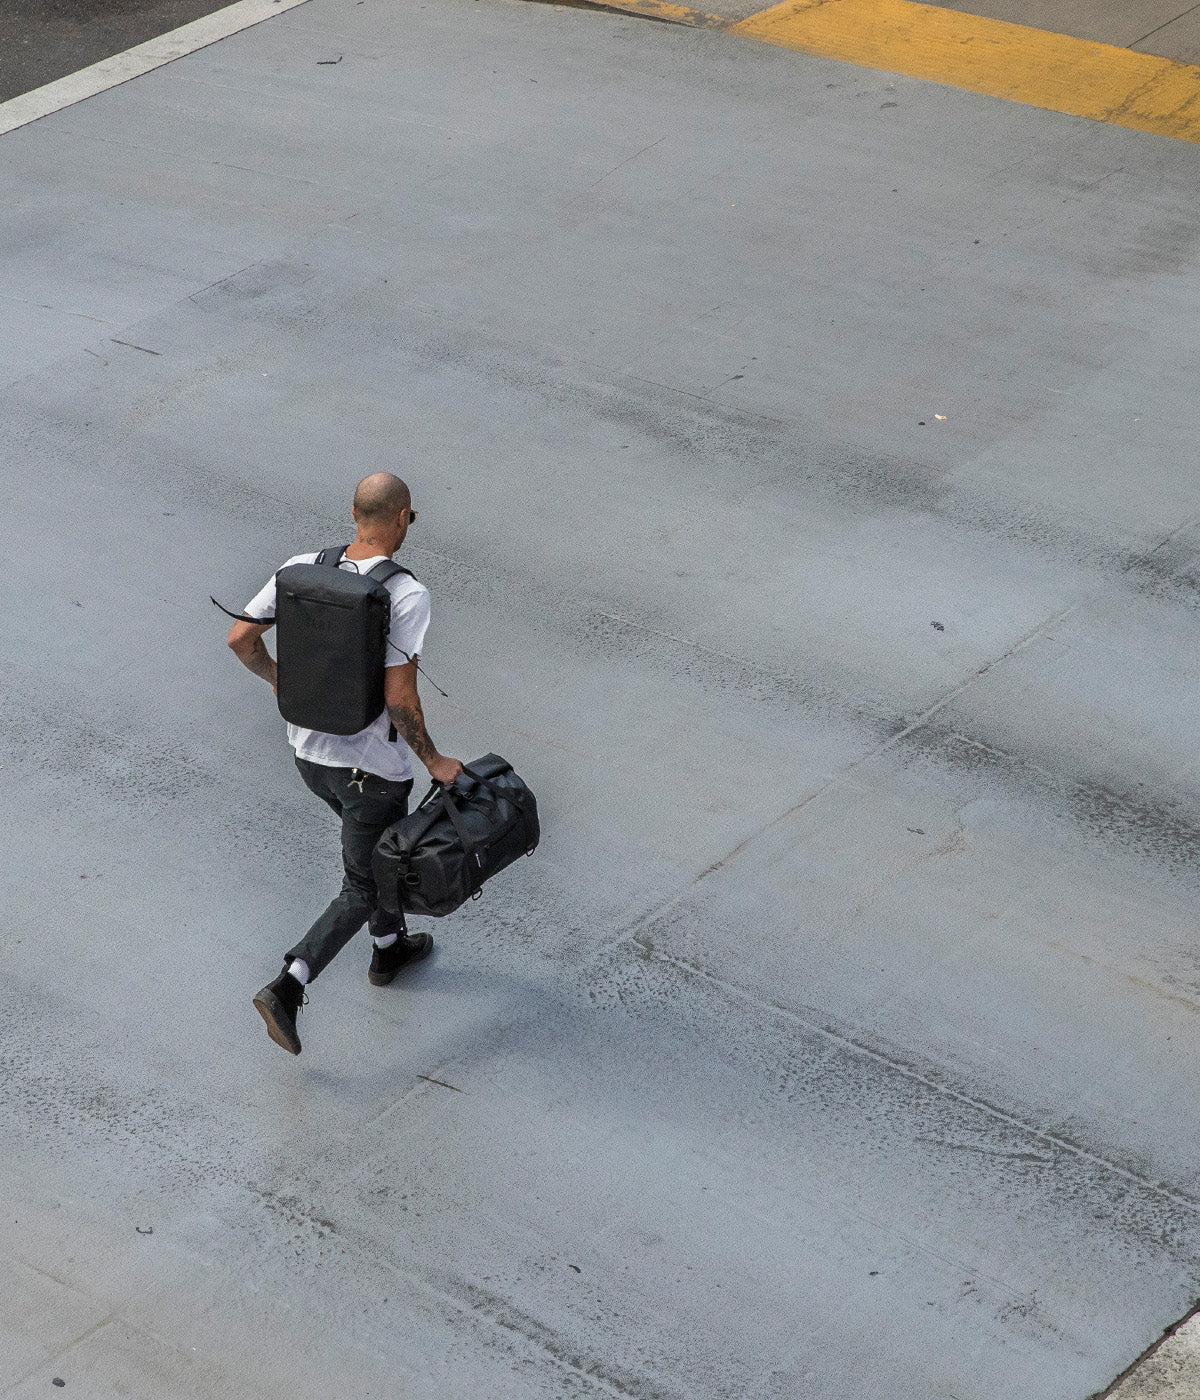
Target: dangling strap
[420, 668]
[243, 617]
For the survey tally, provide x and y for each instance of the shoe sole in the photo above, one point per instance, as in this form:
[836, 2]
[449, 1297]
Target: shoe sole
[381, 979]
[270, 1008]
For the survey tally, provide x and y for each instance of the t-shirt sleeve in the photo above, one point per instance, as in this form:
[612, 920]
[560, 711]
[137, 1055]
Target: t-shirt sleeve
[410, 619]
[262, 605]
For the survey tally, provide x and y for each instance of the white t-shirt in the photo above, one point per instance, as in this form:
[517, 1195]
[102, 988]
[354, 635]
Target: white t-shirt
[369, 749]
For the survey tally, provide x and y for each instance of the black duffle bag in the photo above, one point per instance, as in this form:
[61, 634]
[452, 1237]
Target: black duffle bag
[439, 856]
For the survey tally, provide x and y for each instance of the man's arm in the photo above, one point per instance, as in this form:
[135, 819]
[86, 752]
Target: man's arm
[404, 710]
[245, 640]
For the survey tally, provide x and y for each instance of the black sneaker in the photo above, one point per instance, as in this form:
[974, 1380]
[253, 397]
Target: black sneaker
[386, 962]
[277, 1004]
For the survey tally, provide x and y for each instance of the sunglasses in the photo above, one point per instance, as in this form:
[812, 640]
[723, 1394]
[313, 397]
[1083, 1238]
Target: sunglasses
[412, 515]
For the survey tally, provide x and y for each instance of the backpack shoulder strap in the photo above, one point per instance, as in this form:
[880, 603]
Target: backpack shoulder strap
[331, 556]
[388, 568]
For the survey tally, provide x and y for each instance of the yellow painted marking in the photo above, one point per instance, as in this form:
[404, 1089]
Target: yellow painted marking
[659, 9]
[990, 56]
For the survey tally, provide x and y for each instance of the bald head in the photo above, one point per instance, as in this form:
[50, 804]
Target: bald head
[380, 497]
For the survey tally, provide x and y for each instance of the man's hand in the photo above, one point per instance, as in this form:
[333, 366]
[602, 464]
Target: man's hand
[442, 769]
[404, 710]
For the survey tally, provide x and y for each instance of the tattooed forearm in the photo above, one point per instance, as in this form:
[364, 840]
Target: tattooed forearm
[410, 722]
[261, 662]
[251, 651]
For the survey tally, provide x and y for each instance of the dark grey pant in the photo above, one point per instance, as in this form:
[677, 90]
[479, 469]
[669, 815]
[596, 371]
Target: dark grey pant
[367, 806]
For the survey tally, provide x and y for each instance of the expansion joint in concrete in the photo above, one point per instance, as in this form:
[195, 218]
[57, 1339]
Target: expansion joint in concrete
[1053, 1141]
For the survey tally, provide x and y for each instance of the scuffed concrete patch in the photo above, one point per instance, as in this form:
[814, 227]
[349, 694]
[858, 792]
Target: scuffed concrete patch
[1170, 1372]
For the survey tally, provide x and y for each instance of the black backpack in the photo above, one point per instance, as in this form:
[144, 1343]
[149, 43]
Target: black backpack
[438, 856]
[332, 642]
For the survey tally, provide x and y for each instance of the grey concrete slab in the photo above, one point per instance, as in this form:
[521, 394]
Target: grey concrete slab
[1179, 40]
[40, 1317]
[1172, 1372]
[839, 1039]
[1124, 24]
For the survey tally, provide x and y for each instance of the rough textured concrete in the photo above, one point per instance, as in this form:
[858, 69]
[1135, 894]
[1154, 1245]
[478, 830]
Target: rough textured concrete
[1179, 40]
[41, 40]
[1172, 1372]
[840, 1040]
[1165, 27]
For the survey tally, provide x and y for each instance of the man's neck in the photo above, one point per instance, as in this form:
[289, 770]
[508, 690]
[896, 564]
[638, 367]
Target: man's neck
[369, 547]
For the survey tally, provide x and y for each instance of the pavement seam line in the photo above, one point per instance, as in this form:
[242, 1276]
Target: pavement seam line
[1166, 24]
[921, 720]
[882, 747]
[1134, 1366]
[993, 57]
[848, 1042]
[132, 63]
[436, 1290]
[630, 933]
[67, 1347]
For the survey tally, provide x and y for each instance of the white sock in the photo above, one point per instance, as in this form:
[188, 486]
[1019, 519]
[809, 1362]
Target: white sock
[298, 969]
[386, 941]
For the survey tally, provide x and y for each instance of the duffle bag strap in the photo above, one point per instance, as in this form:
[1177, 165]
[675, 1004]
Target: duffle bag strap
[472, 850]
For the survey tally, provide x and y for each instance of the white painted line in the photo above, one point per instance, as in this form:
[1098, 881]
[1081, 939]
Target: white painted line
[112, 72]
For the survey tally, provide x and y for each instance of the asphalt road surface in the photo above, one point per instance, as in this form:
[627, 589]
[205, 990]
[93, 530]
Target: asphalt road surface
[805, 464]
[41, 40]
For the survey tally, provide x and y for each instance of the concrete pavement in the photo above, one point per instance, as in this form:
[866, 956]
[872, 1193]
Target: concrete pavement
[804, 459]
[1171, 1372]
[1164, 27]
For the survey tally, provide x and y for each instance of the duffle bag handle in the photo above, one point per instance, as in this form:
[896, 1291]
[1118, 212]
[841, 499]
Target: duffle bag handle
[436, 786]
[516, 795]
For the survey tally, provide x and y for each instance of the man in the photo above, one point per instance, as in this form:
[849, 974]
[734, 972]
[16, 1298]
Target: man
[365, 777]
